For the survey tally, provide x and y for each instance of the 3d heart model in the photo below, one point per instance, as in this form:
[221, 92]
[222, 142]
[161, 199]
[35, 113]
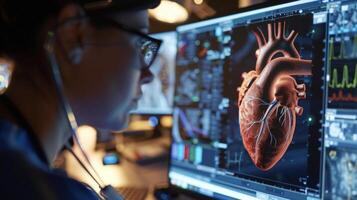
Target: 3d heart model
[268, 97]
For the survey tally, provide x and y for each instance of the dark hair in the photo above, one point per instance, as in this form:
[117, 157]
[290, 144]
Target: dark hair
[20, 22]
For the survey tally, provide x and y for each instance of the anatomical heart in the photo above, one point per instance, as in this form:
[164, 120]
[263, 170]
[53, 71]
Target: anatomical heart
[268, 98]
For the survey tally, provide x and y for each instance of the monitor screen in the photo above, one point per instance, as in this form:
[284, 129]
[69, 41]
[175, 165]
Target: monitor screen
[341, 107]
[158, 95]
[249, 104]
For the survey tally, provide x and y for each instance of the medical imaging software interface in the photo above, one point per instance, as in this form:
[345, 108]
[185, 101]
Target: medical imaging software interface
[265, 104]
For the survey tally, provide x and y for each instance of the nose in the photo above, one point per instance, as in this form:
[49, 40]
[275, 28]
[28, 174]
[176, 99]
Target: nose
[146, 77]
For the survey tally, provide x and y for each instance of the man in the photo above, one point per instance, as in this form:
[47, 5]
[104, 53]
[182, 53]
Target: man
[103, 54]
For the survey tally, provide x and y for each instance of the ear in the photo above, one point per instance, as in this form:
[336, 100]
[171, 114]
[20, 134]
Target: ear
[71, 30]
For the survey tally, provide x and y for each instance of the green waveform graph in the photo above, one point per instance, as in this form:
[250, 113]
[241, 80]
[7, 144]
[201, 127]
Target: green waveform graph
[345, 82]
[346, 49]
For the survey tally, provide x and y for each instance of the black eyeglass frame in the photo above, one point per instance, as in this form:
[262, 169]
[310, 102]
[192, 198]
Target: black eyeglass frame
[102, 21]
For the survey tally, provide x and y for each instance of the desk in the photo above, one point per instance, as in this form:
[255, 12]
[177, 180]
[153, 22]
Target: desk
[125, 174]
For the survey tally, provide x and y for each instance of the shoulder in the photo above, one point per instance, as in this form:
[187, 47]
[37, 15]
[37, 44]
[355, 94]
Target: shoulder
[23, 180]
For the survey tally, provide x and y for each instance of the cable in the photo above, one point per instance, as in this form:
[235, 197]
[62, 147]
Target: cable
[64, 103]
[69, 148]
[107, 192]
[87, 158]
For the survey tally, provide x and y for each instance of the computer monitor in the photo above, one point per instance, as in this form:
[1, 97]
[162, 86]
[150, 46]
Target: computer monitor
[158, 95]
[251, 96]
[341, 107]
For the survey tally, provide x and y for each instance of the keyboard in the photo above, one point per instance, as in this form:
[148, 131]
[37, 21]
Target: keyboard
[133, 193]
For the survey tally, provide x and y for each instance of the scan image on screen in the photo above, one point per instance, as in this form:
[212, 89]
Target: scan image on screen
[269, 95]
[158, 95]
[248, 100]
[341, 173]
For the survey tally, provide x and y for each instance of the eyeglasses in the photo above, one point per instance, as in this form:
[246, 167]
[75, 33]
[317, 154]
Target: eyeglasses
[148, 46]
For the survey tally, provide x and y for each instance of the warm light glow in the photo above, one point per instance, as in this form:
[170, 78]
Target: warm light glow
[139, 125]
[198, 2]
[166, 121]
[87, 136]
[86, 130]
[245, 3]
[169, 12]
[6, 69]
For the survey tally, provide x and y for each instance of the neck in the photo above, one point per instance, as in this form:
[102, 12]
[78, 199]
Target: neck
[36, 101]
